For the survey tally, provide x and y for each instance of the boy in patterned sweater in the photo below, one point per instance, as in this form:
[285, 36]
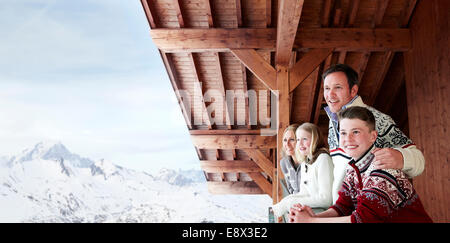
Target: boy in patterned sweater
[367, 194]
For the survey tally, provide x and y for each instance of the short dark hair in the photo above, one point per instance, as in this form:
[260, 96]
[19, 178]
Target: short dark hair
[359, 112]
[352, 75]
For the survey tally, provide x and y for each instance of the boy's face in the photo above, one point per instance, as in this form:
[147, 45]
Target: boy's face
[355, 137]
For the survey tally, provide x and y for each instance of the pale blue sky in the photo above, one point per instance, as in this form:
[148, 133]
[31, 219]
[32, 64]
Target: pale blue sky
[87, 73]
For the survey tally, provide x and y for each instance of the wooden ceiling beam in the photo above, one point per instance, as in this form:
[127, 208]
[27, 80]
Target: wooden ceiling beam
[305, 66]
[229, 166]
[289, 13]
[354, 39]
[234, 187]
[233, 141]
[342, 39]
[226, 132]
[214, 38]
[258, 66]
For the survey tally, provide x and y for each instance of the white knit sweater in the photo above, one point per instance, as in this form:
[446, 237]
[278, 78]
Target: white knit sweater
[315, 187]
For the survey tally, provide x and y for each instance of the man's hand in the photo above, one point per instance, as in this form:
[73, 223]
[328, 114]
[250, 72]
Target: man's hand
[388, 158]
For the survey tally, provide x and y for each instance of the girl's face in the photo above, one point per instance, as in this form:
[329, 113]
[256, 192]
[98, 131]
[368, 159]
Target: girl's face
[289, 143]
[303, 142]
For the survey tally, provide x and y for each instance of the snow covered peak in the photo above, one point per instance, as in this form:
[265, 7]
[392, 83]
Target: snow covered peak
[180, 178]
[105, 168]
[51, 150]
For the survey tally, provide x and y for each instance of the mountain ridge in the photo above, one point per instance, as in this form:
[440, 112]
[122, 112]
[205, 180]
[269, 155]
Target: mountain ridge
[50, 187]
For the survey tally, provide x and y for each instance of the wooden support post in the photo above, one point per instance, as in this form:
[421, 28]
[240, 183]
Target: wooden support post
[282, 122]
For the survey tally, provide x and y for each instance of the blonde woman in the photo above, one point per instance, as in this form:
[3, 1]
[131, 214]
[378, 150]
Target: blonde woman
[316, 172]
[289, 163]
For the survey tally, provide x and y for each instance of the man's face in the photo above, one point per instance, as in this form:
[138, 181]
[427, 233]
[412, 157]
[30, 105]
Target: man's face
[336, 91]
[355, 137]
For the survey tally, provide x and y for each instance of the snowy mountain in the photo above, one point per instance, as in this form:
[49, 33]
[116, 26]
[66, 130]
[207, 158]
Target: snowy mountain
[48, 183]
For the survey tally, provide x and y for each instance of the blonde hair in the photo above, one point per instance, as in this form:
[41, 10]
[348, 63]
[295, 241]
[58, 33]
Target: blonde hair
[293, 128]
[317, 143]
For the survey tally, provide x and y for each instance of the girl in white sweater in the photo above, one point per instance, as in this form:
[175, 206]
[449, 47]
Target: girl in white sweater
[316, 172]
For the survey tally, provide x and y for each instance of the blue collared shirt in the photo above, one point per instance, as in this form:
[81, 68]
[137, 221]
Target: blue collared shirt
[334, 117]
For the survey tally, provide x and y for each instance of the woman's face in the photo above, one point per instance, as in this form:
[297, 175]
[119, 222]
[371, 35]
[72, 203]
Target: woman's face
[289, 143]
[303, 142]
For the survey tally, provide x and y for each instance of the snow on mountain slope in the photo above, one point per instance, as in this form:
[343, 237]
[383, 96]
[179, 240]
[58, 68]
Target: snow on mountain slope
[48, 183]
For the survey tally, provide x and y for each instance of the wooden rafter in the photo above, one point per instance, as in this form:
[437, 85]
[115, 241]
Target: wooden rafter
[305, 66]
[184, 102]
[149, 13]
[261, 160]
[262, 182]
[217, 39]
[287, 25]
[209, 13]
[381, 74]
[320, 98]
[258, 66]
[239, 13]
[197, 85]
[177, 7]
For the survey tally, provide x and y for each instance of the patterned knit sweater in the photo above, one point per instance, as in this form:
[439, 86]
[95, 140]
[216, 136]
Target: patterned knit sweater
[389, 136]
[371, 195]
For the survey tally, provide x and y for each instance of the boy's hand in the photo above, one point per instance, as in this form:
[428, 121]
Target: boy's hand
[388, 158]
[300, 214]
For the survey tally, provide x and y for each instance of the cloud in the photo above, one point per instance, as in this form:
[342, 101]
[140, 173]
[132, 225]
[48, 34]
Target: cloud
[86, 73]
[50, 39]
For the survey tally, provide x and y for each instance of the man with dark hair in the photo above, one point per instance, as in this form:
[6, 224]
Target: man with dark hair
[394, 149]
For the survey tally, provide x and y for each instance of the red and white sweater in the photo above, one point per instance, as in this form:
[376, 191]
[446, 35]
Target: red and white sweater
[371, 195]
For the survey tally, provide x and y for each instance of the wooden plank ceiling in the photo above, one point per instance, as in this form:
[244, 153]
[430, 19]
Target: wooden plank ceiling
[213, 49]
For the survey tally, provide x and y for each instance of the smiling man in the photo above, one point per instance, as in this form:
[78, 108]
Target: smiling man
[394, 149]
